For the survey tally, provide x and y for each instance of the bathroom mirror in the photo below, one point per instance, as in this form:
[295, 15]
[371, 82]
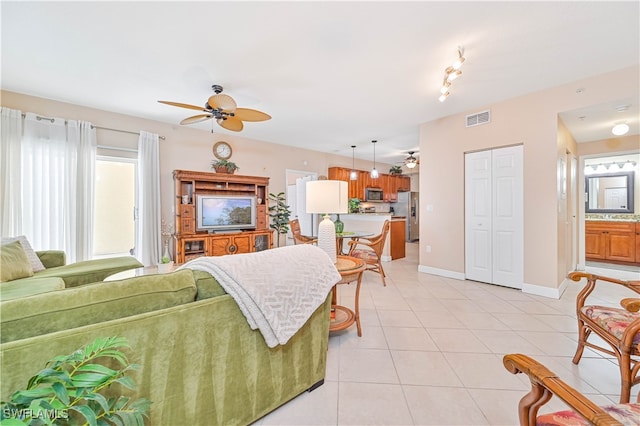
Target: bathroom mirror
[609, 193]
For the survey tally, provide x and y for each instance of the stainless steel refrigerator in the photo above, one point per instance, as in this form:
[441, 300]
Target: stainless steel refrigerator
[407, 206]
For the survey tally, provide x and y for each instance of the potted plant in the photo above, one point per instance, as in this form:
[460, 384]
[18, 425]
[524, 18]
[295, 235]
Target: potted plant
[354, 205]
[279, 214]
[69, 390]
[224, 166]
[395, 170]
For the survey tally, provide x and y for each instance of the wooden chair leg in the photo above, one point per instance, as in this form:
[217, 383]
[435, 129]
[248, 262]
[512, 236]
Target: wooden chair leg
[625, 377]
[583, 334]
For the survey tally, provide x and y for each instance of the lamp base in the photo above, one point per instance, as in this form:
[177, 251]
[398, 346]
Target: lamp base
[327, 237]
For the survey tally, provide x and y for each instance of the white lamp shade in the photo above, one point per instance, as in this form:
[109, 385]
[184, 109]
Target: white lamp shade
[327, 196]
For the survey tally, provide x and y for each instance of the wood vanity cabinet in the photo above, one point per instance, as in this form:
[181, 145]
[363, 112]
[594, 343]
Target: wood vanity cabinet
[191, 243]
[611, 241]
[637, 242]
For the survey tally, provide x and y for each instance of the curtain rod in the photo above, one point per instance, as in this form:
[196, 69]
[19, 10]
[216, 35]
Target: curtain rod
[94, 126]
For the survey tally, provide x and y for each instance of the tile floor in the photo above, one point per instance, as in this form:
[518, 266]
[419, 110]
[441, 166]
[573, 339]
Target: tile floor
[431, 354]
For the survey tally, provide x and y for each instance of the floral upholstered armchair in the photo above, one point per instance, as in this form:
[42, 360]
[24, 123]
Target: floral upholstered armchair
[545, 384]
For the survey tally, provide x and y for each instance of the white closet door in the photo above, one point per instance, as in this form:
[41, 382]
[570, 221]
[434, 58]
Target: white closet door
[478, 188]
[494, 217]
[507, 241]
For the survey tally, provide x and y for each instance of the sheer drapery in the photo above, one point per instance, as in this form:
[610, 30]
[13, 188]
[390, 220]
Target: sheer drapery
[148, 241]
[10, 176]
[81, 160]
[58, 161]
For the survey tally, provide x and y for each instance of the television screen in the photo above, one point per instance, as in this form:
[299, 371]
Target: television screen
[225, 212]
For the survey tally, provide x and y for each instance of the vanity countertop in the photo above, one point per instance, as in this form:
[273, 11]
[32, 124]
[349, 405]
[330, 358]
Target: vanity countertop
[612, 217]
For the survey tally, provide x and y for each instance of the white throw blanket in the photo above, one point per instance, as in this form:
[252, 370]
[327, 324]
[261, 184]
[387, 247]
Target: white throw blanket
[278, 289]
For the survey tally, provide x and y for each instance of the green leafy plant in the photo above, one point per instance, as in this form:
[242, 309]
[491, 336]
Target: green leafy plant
[395, 170]
[279, 214]
[354, 205]
[165, 259]
[219, 165]
[68, 390]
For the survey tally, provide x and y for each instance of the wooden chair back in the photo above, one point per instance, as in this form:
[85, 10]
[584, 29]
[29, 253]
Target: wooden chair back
[298, 238]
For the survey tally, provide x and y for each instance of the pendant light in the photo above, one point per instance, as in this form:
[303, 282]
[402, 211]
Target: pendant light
[354, 174]
[374, 171]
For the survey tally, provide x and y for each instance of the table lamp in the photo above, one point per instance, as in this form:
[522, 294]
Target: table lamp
[327, 197]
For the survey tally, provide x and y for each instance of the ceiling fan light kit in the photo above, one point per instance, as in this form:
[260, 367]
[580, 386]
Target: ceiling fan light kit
[223, 109]
[451, 73]
[411, 161]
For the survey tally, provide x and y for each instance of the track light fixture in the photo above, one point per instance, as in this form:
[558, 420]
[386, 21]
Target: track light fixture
[450, 74]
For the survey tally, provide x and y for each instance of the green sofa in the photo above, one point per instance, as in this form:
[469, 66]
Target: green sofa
[201, 364]
[59, 275]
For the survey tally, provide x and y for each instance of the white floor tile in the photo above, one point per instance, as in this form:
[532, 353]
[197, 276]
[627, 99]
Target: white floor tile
[372, 404]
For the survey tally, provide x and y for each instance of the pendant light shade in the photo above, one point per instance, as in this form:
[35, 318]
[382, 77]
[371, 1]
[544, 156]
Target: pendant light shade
[354, 174]
[374, 171]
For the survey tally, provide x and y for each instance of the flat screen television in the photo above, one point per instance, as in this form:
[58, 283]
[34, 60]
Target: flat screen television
[225, 212]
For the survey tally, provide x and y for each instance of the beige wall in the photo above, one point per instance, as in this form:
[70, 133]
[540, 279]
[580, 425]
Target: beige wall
[188, 148]
[530, 120]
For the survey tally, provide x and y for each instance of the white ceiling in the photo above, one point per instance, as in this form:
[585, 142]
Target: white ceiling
[331, 74]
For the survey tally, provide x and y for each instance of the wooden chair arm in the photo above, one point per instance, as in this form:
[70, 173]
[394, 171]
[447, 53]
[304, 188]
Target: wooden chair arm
[592, 279]
[545, 384]
[631, 304]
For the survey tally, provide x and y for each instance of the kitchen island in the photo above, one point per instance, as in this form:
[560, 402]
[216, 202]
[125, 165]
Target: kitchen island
[372, 222]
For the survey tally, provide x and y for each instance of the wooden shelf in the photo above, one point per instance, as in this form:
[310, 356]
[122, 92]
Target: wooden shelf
[191, 243]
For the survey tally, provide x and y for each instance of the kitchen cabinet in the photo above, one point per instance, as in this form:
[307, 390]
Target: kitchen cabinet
[397, 234]
[611, 241]
[390, 184]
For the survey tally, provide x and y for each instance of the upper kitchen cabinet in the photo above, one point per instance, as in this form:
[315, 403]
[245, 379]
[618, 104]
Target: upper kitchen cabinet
[390, 184]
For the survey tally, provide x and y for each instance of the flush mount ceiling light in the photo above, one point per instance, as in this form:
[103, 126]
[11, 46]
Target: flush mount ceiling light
[620, 129]
[450, 74]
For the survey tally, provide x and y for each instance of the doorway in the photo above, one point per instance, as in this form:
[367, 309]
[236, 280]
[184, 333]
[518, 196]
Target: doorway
[114, 207]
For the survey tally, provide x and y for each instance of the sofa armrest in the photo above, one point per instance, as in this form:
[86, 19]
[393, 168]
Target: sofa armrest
[52, 258]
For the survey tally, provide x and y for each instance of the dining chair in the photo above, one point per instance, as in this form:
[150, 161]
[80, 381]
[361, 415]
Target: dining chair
[618, 327]
[298, 238]
[370, 249]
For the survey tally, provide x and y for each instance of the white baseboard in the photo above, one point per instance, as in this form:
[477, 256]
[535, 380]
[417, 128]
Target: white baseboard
[538, 290]
[441, 272]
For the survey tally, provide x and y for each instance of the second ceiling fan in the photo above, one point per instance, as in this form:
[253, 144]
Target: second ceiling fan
[223, 109]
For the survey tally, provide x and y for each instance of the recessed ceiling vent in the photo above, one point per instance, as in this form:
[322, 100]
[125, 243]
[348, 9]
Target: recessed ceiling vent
[479, 118]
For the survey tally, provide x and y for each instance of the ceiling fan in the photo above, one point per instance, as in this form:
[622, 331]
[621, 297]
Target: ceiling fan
[411, 161]
[223, 109]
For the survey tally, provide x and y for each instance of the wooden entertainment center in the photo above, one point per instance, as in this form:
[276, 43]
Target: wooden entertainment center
[191, 242]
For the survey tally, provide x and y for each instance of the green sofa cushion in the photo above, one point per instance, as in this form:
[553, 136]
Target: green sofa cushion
[90, 271]
[13, 262]
[28, 287]
[90, 304]
[52, 258]
[36, 264]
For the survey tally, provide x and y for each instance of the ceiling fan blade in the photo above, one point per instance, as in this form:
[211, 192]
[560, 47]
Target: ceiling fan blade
[178, 104]
[231, 123]
[246, 114]
[223, 102]
[196, 118]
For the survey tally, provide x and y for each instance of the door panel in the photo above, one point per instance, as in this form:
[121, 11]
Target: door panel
[494, 217]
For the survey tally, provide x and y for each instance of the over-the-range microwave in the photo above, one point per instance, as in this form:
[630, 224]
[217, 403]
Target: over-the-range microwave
[374, 194]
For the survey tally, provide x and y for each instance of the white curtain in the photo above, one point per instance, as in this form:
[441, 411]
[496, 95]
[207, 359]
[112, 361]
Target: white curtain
[148, 240]
[81, 160]
[10, 178]
[57, 185]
